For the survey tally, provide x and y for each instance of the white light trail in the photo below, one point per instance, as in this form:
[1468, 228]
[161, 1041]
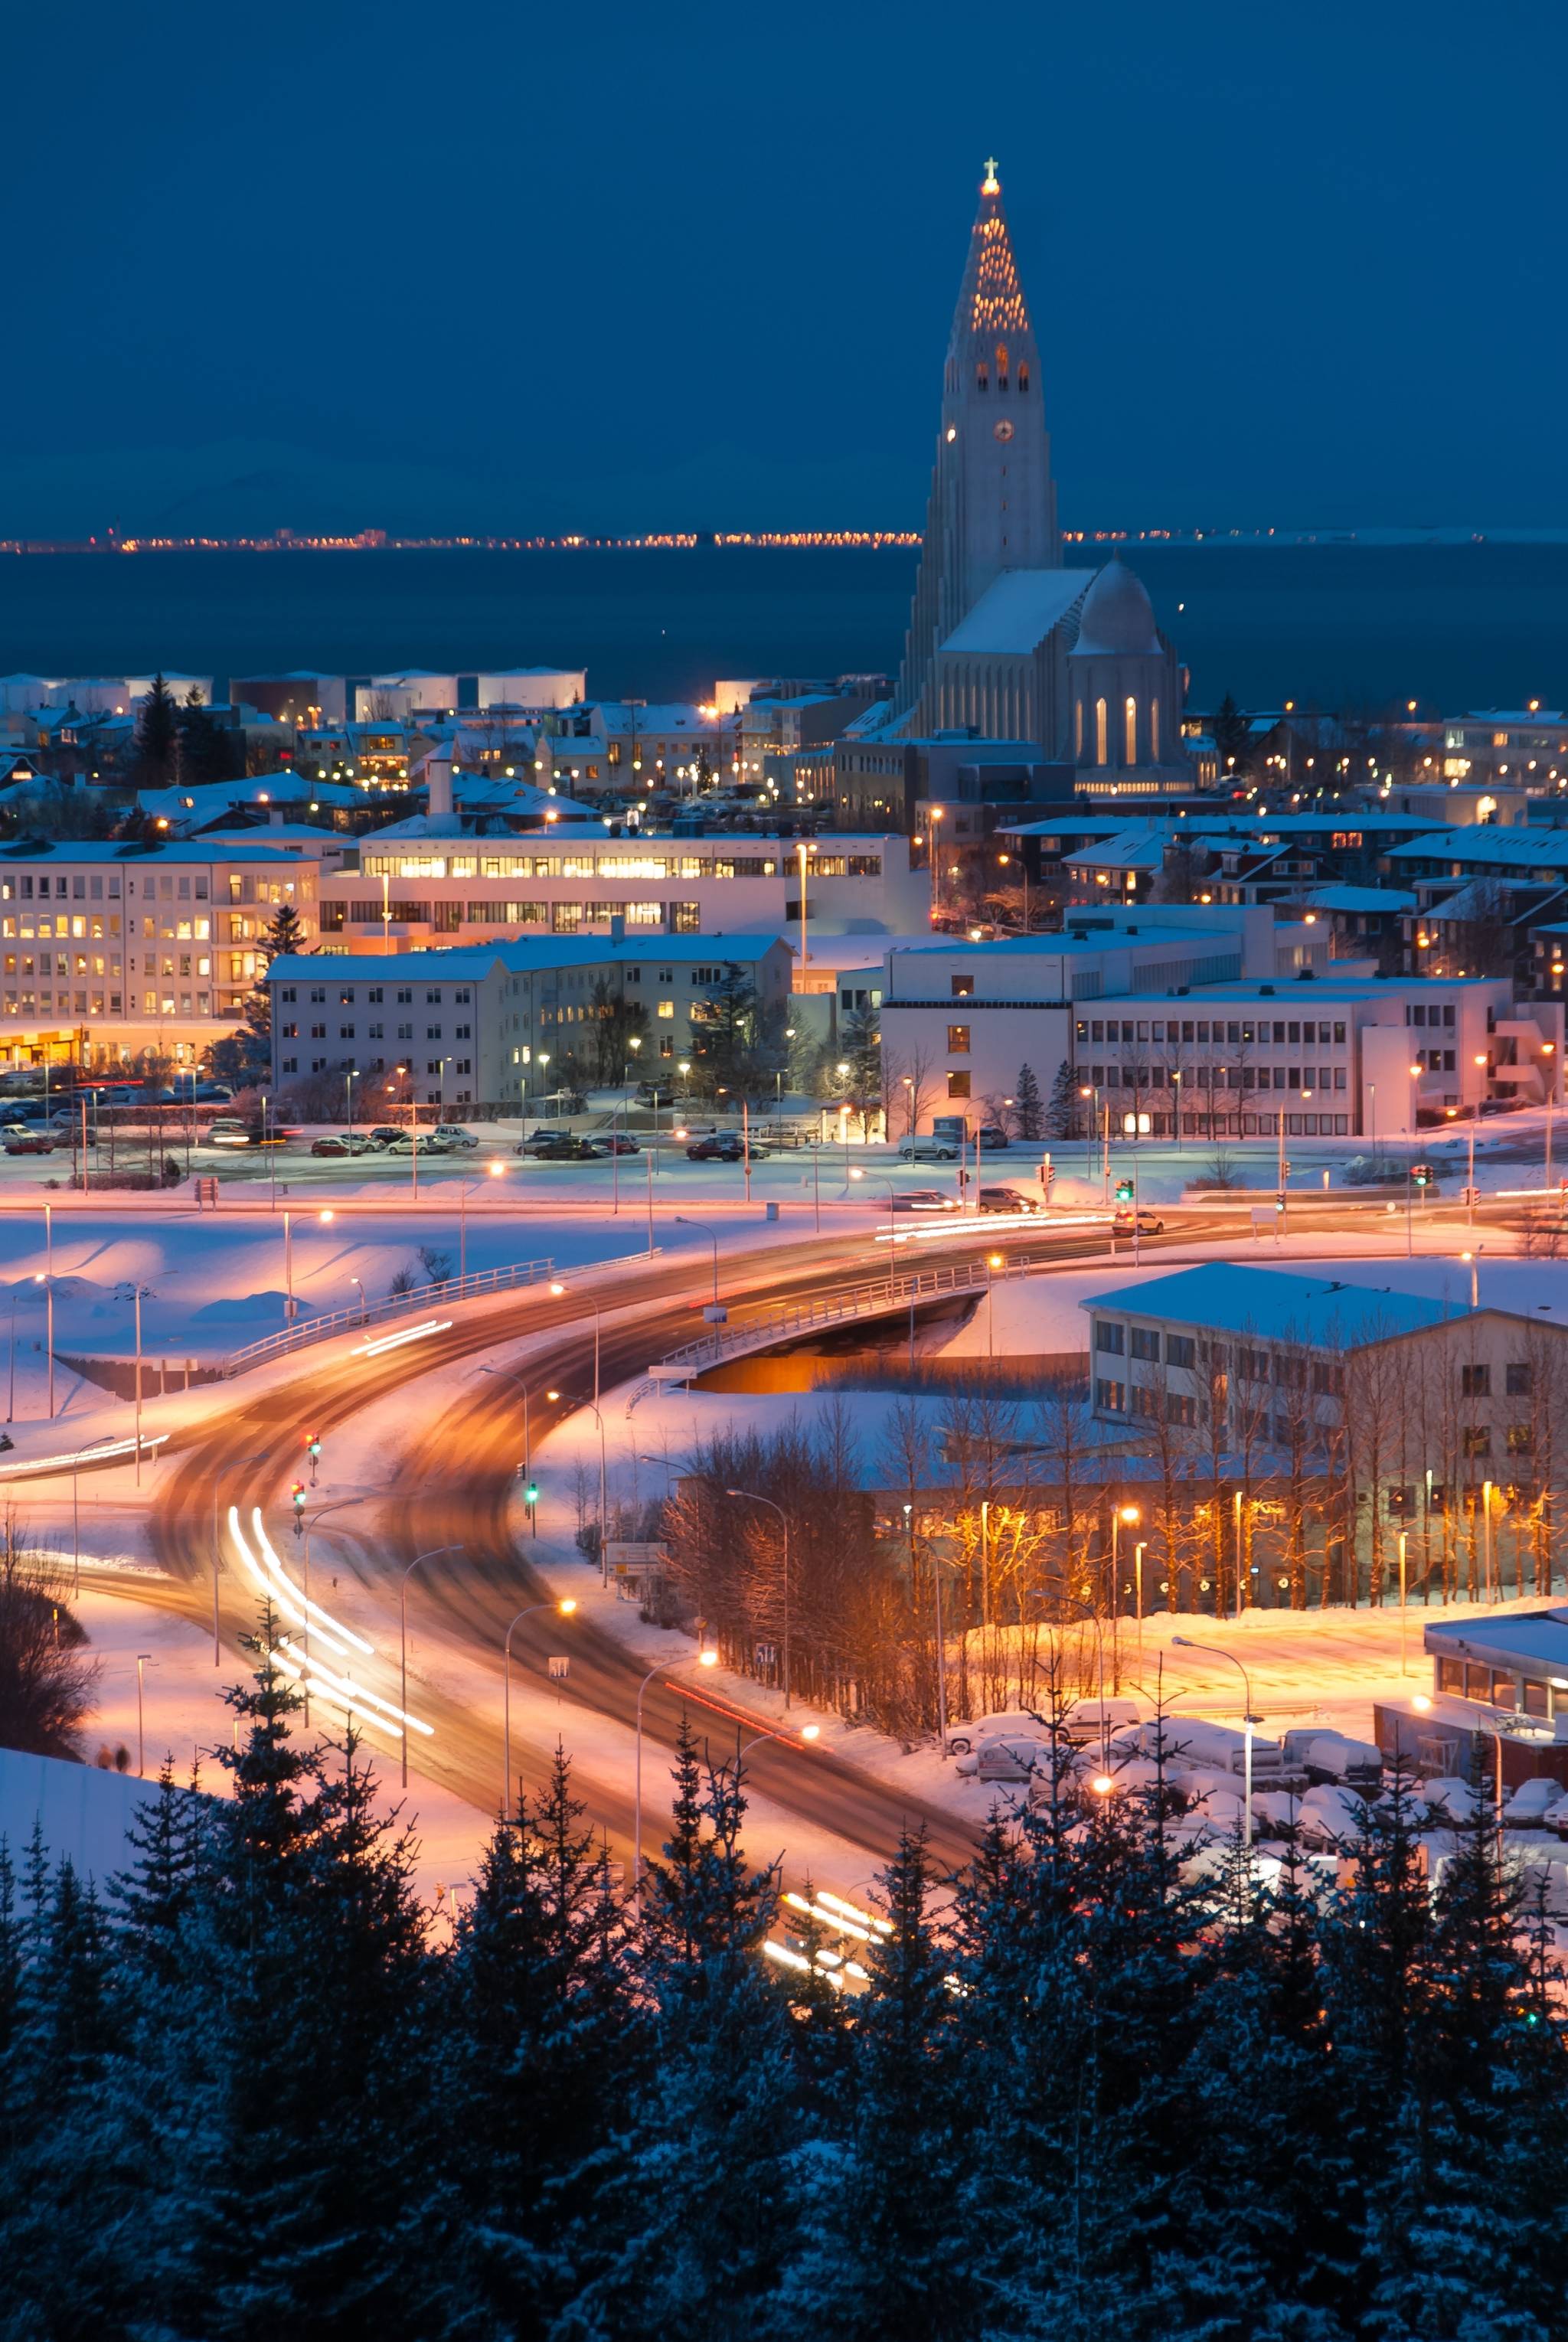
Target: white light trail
[273, 1580]
[325, 1617]
[829, 1919]
[344, 1687]
[385, 1342]
[103, 1453]
[347, 1710]
[853, 1911]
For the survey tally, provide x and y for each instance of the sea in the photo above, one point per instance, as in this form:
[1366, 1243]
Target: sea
[1340, 627]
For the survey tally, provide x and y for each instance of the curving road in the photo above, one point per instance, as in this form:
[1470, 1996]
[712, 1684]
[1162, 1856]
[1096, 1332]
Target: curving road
[453, 1484]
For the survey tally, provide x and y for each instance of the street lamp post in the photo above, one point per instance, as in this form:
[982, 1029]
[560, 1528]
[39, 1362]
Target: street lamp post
[592, 1405]
[749, 1496]
[518, 1383]
[857, 1172]
[683, 1220]
[565, 1609]
[403, 1641]
[1249, 1719]
[496, 1170]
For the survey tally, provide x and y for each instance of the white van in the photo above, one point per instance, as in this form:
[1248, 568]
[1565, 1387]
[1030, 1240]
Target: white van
[1328, 1755]
[1093, 1720]
[1192, 1741]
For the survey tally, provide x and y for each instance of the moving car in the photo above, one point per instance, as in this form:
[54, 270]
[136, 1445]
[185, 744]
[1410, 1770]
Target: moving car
[614, 1142]
[17, 1139]
[1006, 1199]
[1148, 1223]
[655, 1094]
[227, 1130]
[925, 1199]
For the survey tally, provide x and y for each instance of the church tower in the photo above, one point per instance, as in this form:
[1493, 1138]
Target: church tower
[993, 500]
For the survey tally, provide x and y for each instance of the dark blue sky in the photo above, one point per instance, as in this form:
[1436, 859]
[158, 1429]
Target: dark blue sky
[479, 266]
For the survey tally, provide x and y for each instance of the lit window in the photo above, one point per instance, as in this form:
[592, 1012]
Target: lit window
[1153, 731]
[1130, 731]
[666, 1008]
[1100, 741]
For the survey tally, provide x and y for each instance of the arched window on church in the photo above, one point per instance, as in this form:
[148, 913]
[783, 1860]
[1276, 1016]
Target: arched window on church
[1130, 731]
[1000, 365]
[1077, 732]
[1023, 378]
[1153, 731]
[982, 378]
[1100, 740]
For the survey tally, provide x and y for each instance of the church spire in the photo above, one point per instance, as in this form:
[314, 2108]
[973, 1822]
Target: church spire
[993, 502]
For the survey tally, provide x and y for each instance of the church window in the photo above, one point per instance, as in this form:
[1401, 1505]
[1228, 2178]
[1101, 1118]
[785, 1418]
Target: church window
[1000, 365]
[1100, 741]
[1023, 377]
[1078, 732]
[1153, 731]
[982, 378]
[1130, 731]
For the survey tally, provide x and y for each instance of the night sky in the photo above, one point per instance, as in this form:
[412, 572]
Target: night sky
[319, 266]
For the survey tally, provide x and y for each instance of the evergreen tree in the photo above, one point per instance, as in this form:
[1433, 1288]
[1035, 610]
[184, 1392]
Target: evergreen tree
[539, 2003]
[158, 734]
[1028, 1110]
[696, 2202]
[284, 937]
[208, 751]
[1232, 739]
[1062, 1115]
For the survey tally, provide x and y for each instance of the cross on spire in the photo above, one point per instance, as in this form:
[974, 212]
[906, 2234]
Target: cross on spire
[990, 184]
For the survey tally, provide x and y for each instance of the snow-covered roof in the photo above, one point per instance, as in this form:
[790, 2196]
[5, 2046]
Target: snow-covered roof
[1358, 898]
[1323, 1313]
[519, 955]
[1538, 1637]
[1018, 610]
[1138, 848]
[1479, 842]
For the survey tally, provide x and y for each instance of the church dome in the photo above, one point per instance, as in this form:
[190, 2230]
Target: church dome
[1118, 617]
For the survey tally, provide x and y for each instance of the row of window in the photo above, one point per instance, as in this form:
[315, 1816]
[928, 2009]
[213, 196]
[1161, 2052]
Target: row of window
[1218, 1077]
[1469, 1679]
[627, 867]
[375, 994]
[1289, 1032]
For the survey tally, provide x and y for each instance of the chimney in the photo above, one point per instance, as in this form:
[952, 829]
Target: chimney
[438, 782]
[617, 926]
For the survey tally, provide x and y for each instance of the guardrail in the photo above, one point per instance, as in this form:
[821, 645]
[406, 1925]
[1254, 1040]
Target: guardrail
[377, 1313]
[872, 1300]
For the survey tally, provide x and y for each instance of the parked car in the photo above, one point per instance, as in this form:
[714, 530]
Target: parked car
[1016, 1756]
[565, 1148]
[1332, 1819]
[427, 1143]
[1528, 1806]
[925, 1199]
[726, 1146]
[385, 1133]
[543, 1136]
[962, 1737]
[19, 1141]
[655, 1094]
[211, 1092]
[1149, 1224]
[1449, 1801]
[990, 1138]
[1332, 1756]
[359, 1142]
[1194, 1744]
[453, 1133]
[614, 1142]
[928, 1150]
[329, 1146]
[1007, 1199]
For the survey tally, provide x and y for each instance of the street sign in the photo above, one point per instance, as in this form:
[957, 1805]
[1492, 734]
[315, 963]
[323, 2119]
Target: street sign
[559, 1669]
[766, 1655]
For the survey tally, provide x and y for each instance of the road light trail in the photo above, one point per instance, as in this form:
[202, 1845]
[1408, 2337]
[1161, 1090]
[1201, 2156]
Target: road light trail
[331, 1624]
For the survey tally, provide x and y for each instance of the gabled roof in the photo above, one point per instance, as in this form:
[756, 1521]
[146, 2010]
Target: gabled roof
[1018, 610]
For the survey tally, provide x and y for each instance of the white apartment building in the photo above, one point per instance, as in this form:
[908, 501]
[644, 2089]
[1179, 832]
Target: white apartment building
[415, 892]
[497, 1024]
[107, 950]
[1216, 1023]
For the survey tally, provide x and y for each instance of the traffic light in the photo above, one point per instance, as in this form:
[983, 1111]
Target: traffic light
[299, 1507]
[1123, 1191]
[531, 1494]
[1421, 1173]
[312, 1449]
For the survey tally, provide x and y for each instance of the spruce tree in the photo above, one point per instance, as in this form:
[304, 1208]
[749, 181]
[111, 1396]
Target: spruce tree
[1028, 1112]
[154, 1899]
[1062, 1114]
[697, 2202]
[158, 734]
